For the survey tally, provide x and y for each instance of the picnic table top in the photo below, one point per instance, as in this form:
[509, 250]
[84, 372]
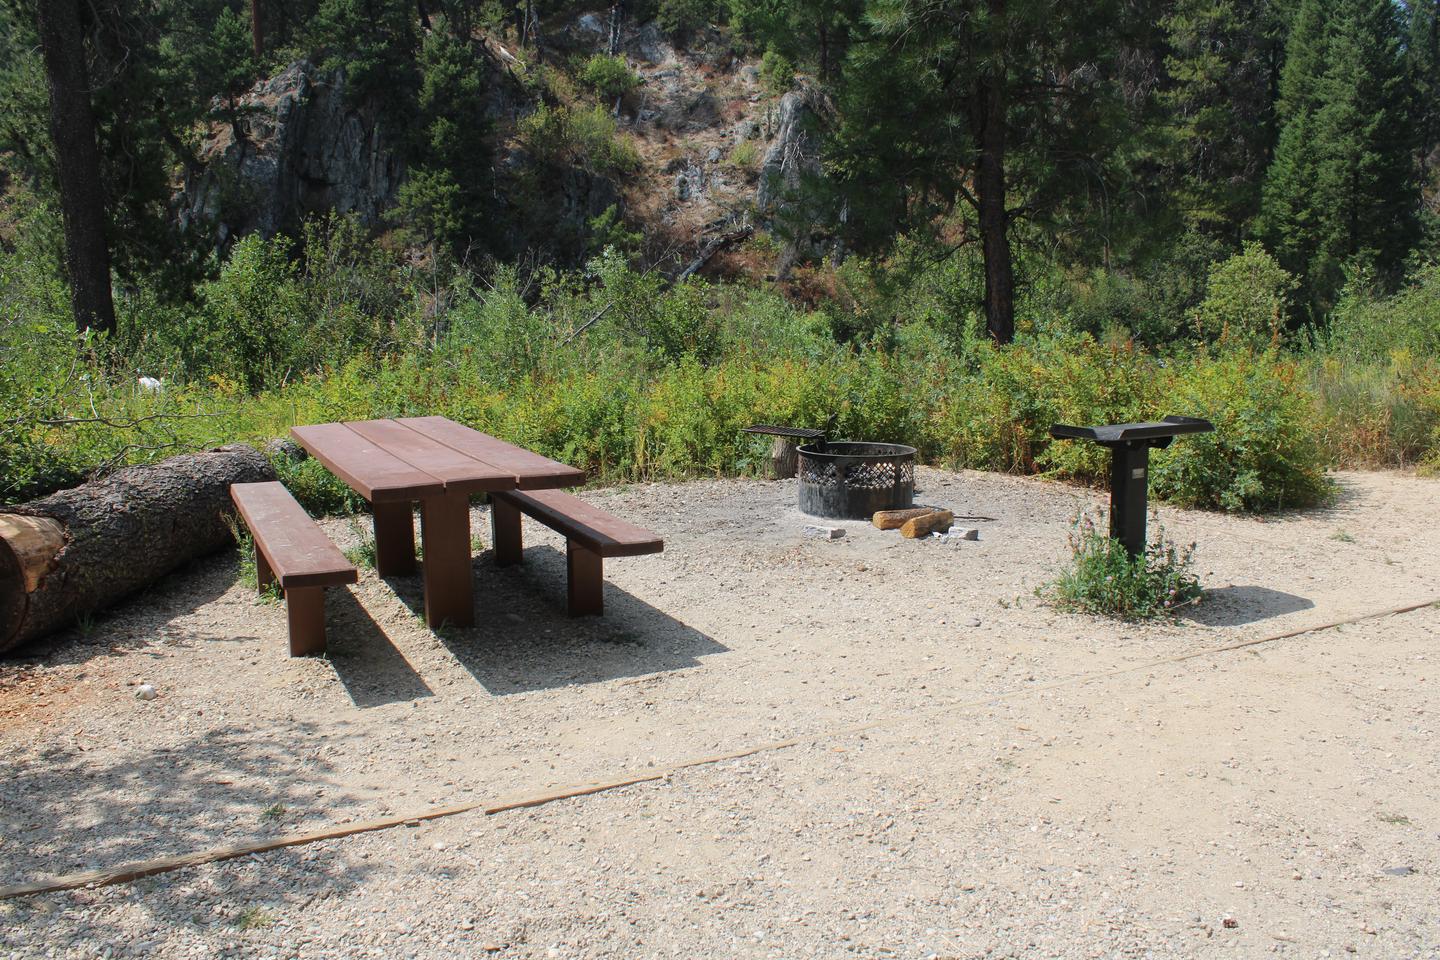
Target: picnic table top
[412, 458]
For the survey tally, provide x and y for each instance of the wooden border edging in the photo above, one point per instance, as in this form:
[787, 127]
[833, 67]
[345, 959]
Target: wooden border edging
[134, 871]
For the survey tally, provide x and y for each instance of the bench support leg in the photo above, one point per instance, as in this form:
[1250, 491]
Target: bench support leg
[449, 584]
[394, 539]
[505, 532]
[587, 580]
[305, 608]
[264, 576]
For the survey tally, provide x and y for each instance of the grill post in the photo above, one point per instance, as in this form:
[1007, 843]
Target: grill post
[1129, 494]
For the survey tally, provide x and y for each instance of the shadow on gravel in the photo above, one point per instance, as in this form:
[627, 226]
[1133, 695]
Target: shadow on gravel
[71, 810]
[523, 639]
[171, 910]
[1237, 606]
[373, 671]
[137, 620]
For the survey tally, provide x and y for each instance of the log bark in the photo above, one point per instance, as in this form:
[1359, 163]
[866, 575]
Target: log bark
[80, 550]
[936, 521]
[895, 519]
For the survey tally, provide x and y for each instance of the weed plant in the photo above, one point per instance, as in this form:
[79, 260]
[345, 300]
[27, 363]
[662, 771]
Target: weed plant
[1101, 577]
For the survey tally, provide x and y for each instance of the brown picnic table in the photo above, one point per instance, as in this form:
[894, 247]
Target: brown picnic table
[439, 463]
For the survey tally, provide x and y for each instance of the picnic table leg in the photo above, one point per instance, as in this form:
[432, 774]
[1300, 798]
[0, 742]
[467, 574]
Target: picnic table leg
[264, 576]
[449, 587]
[505, 531]
[586, 579]
[305, 609]
[394, 539]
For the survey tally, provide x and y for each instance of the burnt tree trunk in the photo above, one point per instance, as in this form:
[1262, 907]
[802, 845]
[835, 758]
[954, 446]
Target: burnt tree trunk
[77, 164]
[82, 549]
[994, 218]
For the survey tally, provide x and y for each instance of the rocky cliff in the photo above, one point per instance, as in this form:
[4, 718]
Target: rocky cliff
[298, 146]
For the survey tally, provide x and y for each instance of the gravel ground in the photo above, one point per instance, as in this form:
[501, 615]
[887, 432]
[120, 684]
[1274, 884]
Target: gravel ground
[1035, 784]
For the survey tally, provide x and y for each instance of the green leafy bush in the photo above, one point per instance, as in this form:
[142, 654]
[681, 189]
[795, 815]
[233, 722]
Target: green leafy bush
[1246, 299]
[587, 138]
[1101, 577]
[744, 157]
[1369, 327]
[680, 18]
[1263, 455]
[318, 490]
[776, 71]
[608, 76]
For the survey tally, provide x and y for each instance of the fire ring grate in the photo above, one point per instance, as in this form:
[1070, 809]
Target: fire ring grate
[851, 480]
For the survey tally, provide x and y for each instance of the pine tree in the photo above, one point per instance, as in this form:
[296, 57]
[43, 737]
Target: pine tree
[1422, 48]
[1006, 107]
[1223, 68]
[1340, 195]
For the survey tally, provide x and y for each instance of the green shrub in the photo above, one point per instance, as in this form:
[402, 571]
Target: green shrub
[318, 490]
[1101, 577]
[776, 71]
[681, 18]
[495, 331]
[1263, 455]
[588, 138]
[745, 156]
[1246, 299]
[609, 230]
[1367, 327]
[610, 77]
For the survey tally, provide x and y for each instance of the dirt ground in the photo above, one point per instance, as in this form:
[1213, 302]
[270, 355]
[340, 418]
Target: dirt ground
[1032, 783]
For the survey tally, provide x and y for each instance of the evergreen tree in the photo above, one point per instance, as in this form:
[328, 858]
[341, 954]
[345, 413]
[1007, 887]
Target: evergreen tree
[1422, 48]
[812, 32]
[1340, 195]
[1223, 69]
[1009, 107]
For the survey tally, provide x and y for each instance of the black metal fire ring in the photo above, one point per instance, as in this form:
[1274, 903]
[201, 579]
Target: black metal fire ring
[849, 480]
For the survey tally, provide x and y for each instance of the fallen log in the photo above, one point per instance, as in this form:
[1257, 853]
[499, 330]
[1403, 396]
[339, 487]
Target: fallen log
[710, 249]
[895, 519]
[82, 549]
[936, 521]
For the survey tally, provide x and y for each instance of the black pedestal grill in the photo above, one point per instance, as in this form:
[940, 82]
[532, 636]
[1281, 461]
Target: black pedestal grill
[848, 480]
[1130, 445]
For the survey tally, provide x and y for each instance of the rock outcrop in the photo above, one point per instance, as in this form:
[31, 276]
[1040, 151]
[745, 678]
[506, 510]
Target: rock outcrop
[298, 146]
[793, 154]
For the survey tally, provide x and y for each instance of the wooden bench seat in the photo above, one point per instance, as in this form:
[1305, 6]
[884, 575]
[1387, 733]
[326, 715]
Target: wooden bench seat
[591, 535]
[291, 550]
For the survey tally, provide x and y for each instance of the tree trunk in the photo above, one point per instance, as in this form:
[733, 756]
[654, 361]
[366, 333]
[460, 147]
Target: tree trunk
[990, 200]
[77, 164]
[617, 20]
[257, 27]
[79, 550]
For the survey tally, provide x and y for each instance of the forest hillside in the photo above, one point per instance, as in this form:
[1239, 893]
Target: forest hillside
[618, 233]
